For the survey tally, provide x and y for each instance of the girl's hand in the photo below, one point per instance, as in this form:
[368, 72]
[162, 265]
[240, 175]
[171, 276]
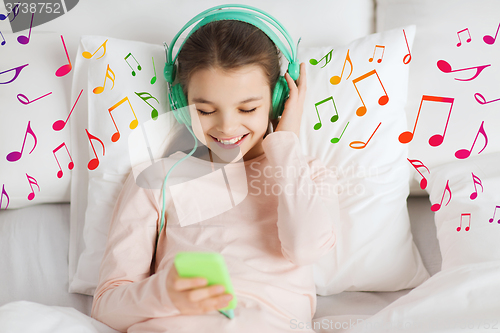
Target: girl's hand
[294, 106]
[191, 297]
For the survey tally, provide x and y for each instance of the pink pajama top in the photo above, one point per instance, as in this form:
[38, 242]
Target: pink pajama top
[270, 217]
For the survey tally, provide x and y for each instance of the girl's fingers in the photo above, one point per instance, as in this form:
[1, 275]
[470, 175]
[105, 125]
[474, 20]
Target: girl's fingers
[291, 85]
[302, 78]
[204, 293]
[182, 284]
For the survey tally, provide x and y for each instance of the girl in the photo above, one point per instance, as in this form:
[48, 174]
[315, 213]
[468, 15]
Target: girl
[269, 240]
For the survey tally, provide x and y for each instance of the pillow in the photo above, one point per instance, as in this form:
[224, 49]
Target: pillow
[351, 121]
[453, 76]
[36, 158]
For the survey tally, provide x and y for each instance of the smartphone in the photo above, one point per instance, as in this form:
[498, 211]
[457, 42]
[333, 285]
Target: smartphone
[211, 266]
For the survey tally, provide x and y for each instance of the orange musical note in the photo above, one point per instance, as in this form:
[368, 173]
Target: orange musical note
[32, 181]
[23, 39]
[464, 153]
[64, 69]
[133, 124]
[418, 164]
[138, 65]
[70, 164]
[494, 212]
[18, 71]
[467, 227]
[6, 195]
[59, 124]
[436, 207]
[154, 112]
[407, 58]
[491, 40]
[373, 56]
[334, 118]
[13, 11]
[445, 67]
[468, 39]
[94, 163]
[481, 100]
[327, 57]
[87, 55]
[477, 181]
[335, 140]
[336, 79]
[16, 155]
[362, 144]
[436, 139]
[98, 90]
[153, 79]
[25, 99]
[361, 111]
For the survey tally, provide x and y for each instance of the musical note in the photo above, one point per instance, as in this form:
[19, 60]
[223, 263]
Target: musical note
[98, 90]
[481, 100]
[407, 58]
[436, 207]
[14, 11]
[445, 67]
[70, 164]
[154, 112]
[87, 55]
[418, 164]
[94, 163]
[327, 57]
[16, 155]
[334, 118]
[362, 144]
[335, 140]
[32, 181]
[133, 124]
[1, 197]
[23, 39]
[373, 56]
[468, 39]
[436, 139]
[18, 71]
[467, 227]
[3, 42]
[153, 79]
[361, 111]
[64, 69]
[23, 99]
[494, 212]
[464, 153]
[138, 65]
[336, 79]
[477, 181]
[490, 40]
[59, 124]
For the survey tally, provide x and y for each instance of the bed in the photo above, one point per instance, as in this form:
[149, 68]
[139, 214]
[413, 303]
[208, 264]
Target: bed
[418, 236]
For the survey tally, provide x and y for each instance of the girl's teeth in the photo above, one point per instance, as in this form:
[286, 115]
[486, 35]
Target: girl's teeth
[230, 142]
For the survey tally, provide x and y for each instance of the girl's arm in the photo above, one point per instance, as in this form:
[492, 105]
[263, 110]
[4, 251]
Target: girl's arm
[308, 201]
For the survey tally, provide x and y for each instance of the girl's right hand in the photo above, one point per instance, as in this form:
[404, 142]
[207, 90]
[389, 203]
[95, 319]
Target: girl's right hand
[191, 296]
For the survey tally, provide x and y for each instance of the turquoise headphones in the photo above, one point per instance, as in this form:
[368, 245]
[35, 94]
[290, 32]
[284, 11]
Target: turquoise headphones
[251, 15]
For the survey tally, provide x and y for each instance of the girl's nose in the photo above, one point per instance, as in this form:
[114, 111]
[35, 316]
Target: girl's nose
[227, 123]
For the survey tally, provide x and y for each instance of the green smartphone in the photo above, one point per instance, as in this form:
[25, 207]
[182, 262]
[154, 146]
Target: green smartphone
[211, 266]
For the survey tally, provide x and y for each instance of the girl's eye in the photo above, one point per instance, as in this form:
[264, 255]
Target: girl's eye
[252, 110]
[205, 113]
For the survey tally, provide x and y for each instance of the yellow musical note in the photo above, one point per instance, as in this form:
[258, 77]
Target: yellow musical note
[87, 55]
[109, 72]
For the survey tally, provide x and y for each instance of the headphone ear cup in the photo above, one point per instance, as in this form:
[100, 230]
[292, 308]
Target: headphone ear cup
[280, 94]
[178, 104]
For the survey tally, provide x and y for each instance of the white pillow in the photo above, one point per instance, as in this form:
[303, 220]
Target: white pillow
[375, 250]
[32, 99]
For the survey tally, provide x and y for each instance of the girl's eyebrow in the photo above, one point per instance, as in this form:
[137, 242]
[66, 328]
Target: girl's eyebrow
[204, 101]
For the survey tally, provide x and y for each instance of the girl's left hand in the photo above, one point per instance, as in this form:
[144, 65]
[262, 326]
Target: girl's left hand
[294, 106]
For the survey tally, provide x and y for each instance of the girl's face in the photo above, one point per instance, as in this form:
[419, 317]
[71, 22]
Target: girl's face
[229, 105]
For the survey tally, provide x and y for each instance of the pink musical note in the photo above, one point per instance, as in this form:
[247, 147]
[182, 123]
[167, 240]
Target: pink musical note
[59, 124]
[436, 139]
[494, 212]
[32, 181]
[373, 56]
[24, 100]
[327, 57]
[491, 40]
[109, 72]
[13, 11]
[6, 195]
[436, 207]
[407, 58]
[477, 181]
[23, 39]
[361, 111]
[94, 163]
[468, 39]
[464, 153]
[461, 217]
[481, 100]
[418, 164]
[133, 124]
[336, 79]
[70, 164]
[87, 54]
[18, 71]
[64, 69]
[361, 144]
[445, 67]
[16, 155]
